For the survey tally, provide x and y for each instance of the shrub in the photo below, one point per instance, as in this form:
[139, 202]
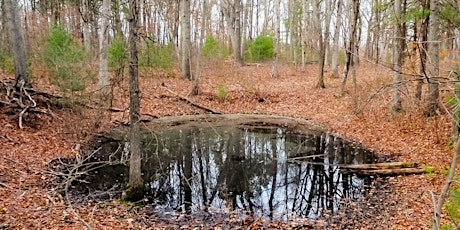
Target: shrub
[158, 56]
[453, 209]
[222, 92]
[117, 53]
[212, 48]
[6, 62]
[66, 61]
[262, 48]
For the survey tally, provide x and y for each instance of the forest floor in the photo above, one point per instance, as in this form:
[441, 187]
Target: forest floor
[27, 201]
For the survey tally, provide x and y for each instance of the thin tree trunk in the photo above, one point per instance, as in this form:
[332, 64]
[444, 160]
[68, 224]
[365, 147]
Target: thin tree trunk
[433, 57]
[275, 72]
[335, 49]
[445, 188]
[422, 49]
[135, 190]
[85, 24]
[351, 45]
[185, 40]
[303, 36]
[398, 57]
[117, 24]
[237, 26]
[322, 46]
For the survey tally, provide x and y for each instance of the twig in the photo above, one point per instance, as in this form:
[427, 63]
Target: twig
[16, 162]
[6, 186]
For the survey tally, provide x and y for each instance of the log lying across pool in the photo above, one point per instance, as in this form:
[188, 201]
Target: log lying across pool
[383, 169]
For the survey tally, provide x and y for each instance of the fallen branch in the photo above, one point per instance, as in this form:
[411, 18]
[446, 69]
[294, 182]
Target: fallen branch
[191, 102]
[386, 165]
[384, 172]
[382, 169]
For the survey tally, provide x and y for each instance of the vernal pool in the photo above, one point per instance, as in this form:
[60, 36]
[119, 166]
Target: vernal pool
[269, 168]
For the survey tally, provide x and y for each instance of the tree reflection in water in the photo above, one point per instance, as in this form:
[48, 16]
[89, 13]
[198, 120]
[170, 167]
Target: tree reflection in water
[226, 168]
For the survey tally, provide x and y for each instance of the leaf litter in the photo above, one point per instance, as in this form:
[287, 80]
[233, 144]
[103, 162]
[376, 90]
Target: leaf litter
[402, 202]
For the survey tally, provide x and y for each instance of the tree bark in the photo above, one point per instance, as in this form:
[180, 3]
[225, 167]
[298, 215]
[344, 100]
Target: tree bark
[117, 24]
[185, 40]
[433, 57]
[103, 46]
[135, 189]
[238, 36]
[335, 46]
[86, 33]
[398, 57]
[351, 45]
[422, 49]
[303, 36]
[232, 12]
[275, 72]
[21, 64]
[322, 45]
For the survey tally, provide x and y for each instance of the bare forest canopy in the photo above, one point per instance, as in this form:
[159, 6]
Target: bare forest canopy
[297, 23]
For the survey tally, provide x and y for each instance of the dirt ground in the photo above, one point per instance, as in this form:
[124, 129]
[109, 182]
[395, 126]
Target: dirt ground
[28, 201]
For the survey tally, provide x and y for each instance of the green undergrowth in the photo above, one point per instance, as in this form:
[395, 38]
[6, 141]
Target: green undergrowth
[452, 207]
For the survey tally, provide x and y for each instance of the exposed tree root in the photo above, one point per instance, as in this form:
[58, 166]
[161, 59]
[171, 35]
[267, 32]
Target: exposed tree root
[20, 101]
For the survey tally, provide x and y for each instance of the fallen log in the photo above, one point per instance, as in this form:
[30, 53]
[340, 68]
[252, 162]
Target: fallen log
[384, 172]
[382, 169]
[386, 165]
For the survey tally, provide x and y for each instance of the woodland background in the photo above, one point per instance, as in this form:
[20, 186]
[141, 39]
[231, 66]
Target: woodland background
[70, 70]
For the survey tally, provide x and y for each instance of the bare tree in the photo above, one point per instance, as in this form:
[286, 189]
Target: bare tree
[351, 46]
[304, 36]
[85, 21]
[232, 12]
[19, 47]
[433, 60]
[335, 45]
[186, 45]
[103, 46]
[422, 46]
[135, 189]
[275, 72]
[322, 39]
[398, 57]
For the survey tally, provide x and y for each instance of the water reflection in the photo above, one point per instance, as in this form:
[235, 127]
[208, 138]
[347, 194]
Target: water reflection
[268, 172]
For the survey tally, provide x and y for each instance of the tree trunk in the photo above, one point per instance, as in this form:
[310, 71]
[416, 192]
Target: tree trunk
[237, 26]
[335, 47]
[85, 24]
[303, 36]
[117, 24]
[21, 64]
[322, 46]
[232, 12]
[398, 58]
[275, 72]
[351, 45]
[433, 57]
[422, 49]
[103, 46]
[135, 189]
[185, 40]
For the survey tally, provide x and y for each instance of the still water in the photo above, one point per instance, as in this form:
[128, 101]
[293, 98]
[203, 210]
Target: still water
[267, 171]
